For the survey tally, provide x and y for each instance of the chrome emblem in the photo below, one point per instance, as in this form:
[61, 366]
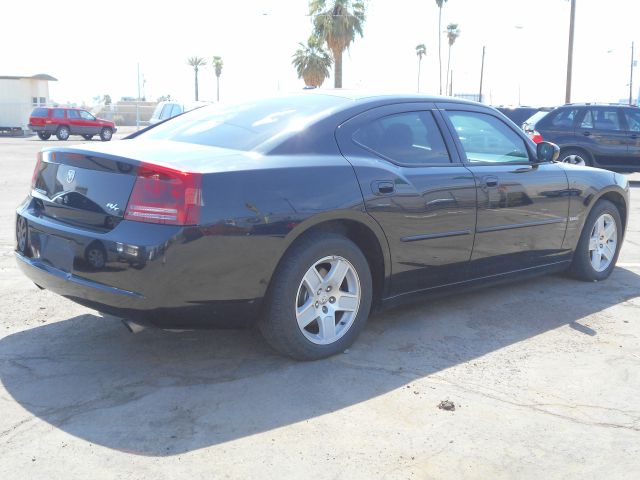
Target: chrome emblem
[71, 174]
[113, 207]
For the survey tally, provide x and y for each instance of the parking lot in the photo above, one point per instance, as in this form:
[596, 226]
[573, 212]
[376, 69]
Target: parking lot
[544, 376]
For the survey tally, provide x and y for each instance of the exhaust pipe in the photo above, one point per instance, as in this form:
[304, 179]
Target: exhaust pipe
[133, 327]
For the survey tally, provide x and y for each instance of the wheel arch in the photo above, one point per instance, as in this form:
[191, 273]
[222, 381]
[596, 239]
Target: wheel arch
[361, 230]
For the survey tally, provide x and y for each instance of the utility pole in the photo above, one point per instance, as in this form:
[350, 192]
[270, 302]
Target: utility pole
[631, 77]
[567, 97]
[138, 101]
[481, 75]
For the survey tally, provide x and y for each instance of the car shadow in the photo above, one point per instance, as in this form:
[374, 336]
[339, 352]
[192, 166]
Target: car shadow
[159, 393]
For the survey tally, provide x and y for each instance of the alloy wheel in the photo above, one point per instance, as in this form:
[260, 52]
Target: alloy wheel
[327, 300]
[603, 242]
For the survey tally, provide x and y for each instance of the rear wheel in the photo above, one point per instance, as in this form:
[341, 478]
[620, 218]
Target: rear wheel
[599, 245]
[44, 135]
[63, 133]
[576, 157]
[87, 137]
[319, 299]
[106, 134]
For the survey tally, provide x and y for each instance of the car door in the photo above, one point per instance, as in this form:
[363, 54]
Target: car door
[76, 124]
[522, 205]
[601, 131]
[632, 127]
[90, 124]
[415, 187]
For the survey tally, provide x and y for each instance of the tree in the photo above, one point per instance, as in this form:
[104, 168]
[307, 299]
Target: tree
[196, 63]
[217, 65]
[440, 3]
[421, 50]
[337, 22]
[453, 32]
[106, 99]
[312, 62]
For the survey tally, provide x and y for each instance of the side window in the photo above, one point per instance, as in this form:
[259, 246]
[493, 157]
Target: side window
[564, 117]
[633, 119]
[486, 139]
[606, 119]
[58, 113]
[177, 110]
[587, 121]
[73, 114]
[411, 138]
[86, 115]
[166, 112]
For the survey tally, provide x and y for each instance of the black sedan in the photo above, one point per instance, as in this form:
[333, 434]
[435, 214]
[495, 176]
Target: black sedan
[302, 212]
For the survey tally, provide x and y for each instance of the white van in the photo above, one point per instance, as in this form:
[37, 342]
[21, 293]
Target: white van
[172, 108]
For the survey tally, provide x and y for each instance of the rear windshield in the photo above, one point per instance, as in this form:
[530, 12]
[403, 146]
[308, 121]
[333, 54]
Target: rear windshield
[40, 112]
[536, 117]
[244, 126]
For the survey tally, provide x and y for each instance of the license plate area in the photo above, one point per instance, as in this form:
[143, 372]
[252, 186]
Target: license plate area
[54, 250]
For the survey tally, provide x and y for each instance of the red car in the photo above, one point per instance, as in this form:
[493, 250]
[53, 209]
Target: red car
[65, 121]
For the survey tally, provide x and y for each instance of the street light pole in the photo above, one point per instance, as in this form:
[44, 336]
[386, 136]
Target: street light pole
[481, 76]
[567, 97]
[631, 77]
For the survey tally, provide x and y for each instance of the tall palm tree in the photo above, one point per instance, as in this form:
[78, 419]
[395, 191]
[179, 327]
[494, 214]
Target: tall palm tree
[312, 62]
[217, 65]
[196, 63]
[440, 3]
[453, 32]
[337, 22]
[421, 50]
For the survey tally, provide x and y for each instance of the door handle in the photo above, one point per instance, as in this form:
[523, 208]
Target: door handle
[383, 187]
[490, 181]
[586, 134]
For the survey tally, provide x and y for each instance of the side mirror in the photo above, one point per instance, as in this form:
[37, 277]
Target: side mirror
[547, 152]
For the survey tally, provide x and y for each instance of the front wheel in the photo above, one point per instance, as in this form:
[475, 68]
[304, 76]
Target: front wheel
[576, 157]
[44, 135]
[319, 299]
[63, 133]
[597, 252]
[106, 134]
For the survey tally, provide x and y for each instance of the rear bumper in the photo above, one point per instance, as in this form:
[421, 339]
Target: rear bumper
[148, 273]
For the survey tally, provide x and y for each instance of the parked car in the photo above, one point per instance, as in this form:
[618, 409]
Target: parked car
[65, 121]
[169, 109]
[528, 126]
[302, 212]
[520, 114]
[597, 135]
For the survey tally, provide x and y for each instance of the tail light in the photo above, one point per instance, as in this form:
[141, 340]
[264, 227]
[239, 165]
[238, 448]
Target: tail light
[36, 171]
[164, 195]
[535, 136]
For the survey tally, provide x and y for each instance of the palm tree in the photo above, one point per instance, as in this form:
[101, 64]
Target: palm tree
[312, 62]
[421, 50]
[196, 63]
[453, 32]
[217, 64]
[440, 3]
[337, 24]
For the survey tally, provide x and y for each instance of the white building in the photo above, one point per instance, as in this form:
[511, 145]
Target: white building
[18, 97]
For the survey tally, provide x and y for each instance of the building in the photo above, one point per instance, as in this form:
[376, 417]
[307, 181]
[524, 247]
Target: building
[18, 96]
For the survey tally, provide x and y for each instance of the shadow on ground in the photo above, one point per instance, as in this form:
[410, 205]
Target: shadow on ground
[160, 393]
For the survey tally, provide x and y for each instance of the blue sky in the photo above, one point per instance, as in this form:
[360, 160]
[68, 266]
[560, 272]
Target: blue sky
[95, 53]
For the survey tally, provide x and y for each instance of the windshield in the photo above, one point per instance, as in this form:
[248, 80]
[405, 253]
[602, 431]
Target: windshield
[245, 126]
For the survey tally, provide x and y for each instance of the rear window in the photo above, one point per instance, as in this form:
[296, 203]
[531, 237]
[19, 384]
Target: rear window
[40, 112]
[244, 126]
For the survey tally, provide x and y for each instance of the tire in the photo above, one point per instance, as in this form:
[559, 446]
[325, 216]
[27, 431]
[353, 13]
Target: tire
[106, 134]
[63, 133]
[44, 135]
[87, 137]
[597, 252]
[293, 320]
[576, 157]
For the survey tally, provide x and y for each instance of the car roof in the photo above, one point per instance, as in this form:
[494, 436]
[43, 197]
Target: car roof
[364, 96]
[597, 104]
